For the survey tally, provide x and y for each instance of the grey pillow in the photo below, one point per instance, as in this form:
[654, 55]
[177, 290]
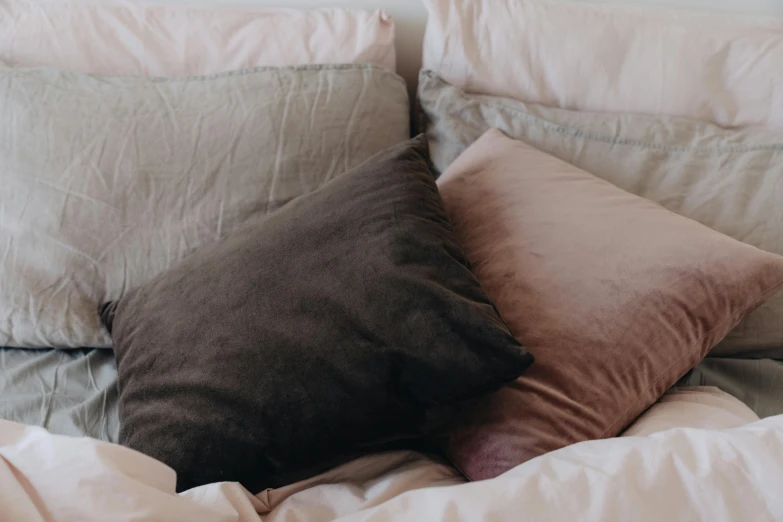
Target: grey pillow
[107, 181]
[729, 180]
[345, 320]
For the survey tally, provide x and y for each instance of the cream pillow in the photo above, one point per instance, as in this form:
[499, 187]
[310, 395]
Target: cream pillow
[616, 297]
[148, 39]
[713, 67]
[698, 407]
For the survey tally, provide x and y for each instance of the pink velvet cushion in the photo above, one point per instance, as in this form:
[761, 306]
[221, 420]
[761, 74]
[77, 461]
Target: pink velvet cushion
[615, 296]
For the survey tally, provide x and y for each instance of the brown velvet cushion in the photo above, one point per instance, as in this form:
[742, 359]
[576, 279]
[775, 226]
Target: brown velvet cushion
[615, 296]
[345, 320]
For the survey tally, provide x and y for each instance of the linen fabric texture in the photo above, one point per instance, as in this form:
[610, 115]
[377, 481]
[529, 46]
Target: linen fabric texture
[728, 180]
[714, 67]
[114, 37]
[107, 181]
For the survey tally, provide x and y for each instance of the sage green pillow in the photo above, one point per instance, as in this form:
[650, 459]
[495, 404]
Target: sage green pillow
[107, 181]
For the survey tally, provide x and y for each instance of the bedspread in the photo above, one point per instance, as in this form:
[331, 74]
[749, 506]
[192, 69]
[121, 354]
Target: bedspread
[733, 473]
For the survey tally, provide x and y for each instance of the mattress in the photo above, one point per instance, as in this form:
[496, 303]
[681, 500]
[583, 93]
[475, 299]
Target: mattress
[74, 392]
[68, 392]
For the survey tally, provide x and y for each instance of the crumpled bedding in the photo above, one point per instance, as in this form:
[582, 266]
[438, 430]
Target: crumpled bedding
[726, 473]
[74, 392]
[592, 56]
[104, 205]
[67, 392]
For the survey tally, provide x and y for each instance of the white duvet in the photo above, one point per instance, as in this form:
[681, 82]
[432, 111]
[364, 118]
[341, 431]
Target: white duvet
[727, 465]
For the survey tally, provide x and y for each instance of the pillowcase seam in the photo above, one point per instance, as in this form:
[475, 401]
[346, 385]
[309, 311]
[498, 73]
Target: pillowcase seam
[576, 133]
[249, 71]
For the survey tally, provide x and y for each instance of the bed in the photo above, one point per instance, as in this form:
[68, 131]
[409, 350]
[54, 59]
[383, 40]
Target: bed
[71, 393]
[63, 405]
[75, 393]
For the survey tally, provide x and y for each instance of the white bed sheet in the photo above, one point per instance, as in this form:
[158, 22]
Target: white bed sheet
[731, 471]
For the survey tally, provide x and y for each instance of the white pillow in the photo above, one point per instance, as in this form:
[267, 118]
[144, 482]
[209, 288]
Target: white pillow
[714, 67]
[129, 38]
[702, 407]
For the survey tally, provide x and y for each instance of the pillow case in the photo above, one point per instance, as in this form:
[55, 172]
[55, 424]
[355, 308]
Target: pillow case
[131, 38]
[106, 181]
[615, 296]
[714, 67]
[694, 407]
[347, 318]
[756, 382]
[729, 180]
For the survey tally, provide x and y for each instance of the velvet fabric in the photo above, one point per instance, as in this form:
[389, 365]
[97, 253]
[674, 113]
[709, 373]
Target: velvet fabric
[344, 321]
[727, 179]
[615, 296]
